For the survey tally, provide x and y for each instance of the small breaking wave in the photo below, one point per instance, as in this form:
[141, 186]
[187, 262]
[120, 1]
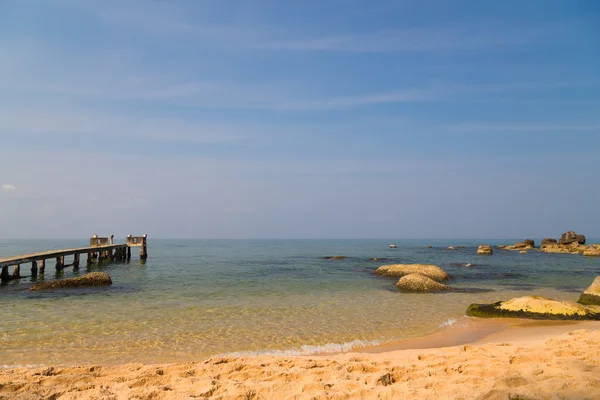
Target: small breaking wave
[305, 350]
[448, 322]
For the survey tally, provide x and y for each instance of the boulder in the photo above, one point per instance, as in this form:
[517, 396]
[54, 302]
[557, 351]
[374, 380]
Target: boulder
[431, 271]
[420, 283]
[535, 307]
[592, 250]
[548, 242]
[450, 248]
[91, 279]
[430, 247]
[573, 248]
[522, 252]
[529, 242]
[485, 249]
[392, 246]
[501, 246]
[571, 237]
[591, 295]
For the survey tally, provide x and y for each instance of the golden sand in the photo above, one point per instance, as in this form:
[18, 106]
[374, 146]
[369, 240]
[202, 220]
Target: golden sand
[522, 360]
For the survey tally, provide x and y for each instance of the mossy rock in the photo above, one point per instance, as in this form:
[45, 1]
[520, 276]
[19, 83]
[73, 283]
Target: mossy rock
[535, 307]
[591, 295]
[91, 279]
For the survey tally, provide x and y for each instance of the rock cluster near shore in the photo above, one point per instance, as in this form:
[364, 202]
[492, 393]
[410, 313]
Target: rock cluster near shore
[90, 279]
[570, 243]
[535, 307]
[526, 244]
[416, 277]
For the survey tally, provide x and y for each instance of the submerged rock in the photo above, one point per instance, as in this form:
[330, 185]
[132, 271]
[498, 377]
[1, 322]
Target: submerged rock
[335, 257]
[535, 307]
[420, 283]
[431, 271]
[591, 295]
[485, 249]
[522, 252]
[91, 279]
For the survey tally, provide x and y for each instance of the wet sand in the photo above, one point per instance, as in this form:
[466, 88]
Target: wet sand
[504, 359]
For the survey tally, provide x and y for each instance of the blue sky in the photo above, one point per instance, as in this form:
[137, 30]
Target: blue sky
[313, 119]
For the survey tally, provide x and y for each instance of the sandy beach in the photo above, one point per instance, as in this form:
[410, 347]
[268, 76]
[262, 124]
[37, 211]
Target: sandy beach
[513, 359]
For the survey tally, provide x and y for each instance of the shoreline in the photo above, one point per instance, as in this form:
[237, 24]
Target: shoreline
[473, 358]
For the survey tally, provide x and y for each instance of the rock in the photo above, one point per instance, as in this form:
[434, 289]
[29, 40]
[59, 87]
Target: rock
[591, 295]
[535, 307]
[592, 250]
[571, 237]
[529, 242]
[392, 246]
[501, 246]
[420, 283]
[431, 271]
[548, 242]
[91, 279]
[450, 248]
[573, 248]
[430, 247]
[485, 250]
[522, 252]
[335, 257]
[460, 247]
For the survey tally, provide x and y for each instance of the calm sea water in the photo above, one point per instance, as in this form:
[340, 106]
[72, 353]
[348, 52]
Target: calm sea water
[197, 298]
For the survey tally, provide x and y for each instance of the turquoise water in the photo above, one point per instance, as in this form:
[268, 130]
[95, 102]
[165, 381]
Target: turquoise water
[196, 298]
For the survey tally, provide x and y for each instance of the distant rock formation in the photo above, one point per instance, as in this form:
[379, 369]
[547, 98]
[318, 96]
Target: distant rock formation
[334, 257]
[485, 250]
[592, 250]
[535, 307]
[420, 283]
[450, 248]
[548, 242]
[392, 246]
[431, 271]
[571, 237]
[591, 295]
[526, 244]
[91, 279]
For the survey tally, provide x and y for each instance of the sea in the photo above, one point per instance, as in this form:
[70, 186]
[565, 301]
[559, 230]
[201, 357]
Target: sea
[195, 299]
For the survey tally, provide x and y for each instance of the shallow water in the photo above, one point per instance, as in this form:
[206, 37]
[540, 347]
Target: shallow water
[197, 298]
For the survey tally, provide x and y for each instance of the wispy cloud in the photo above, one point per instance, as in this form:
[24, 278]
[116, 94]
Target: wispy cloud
[9, 187]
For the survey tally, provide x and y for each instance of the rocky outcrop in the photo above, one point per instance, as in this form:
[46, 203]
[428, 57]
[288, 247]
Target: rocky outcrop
[420, 283]
[450, 247]
[485, 250]
[571, 237]
[501, 246]
[592, 250]
[548, 242]
[591, 295]
[573, 248]
[535, 307]
[526, 244]
[393, 246]
[431, 271]
[91, 279]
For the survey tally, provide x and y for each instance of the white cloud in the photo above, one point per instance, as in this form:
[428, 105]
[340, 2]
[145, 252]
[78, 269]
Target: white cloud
[9, 188]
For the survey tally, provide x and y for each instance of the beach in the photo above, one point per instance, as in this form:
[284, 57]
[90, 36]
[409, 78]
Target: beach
[522, 360]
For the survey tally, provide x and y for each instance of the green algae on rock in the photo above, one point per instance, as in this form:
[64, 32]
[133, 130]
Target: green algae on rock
[91, 279]
[535, 307]
[591, 295]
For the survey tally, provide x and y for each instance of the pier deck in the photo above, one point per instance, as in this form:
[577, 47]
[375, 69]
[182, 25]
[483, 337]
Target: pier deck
[100, 249]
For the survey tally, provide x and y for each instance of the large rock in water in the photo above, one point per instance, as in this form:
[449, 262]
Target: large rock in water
[548, 242]
[571, 237]
[420, 283]
[535, 307]
[431, 271]
[592, 250]
[91, 279]
[485, 249]
[591, 295]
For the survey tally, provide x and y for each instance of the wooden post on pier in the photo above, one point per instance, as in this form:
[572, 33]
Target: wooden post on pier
[34, 268]
[4, 276]
[16, 272]
[128, 253]
[60, 262]
[42, 266]
[143, 248]
[76, 260]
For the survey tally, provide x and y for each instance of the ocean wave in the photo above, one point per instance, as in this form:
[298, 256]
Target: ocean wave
[305, 350]
[448, 322]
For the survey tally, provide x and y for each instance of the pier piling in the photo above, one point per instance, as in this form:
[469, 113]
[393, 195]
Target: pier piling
[42, 266]
[4, 276]
[34, 268]
[76, 260]
[16, 272]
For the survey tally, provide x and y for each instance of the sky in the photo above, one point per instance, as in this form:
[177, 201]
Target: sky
[311, 119]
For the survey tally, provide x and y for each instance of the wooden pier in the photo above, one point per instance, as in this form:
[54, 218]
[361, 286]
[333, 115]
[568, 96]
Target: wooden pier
[100, 249]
